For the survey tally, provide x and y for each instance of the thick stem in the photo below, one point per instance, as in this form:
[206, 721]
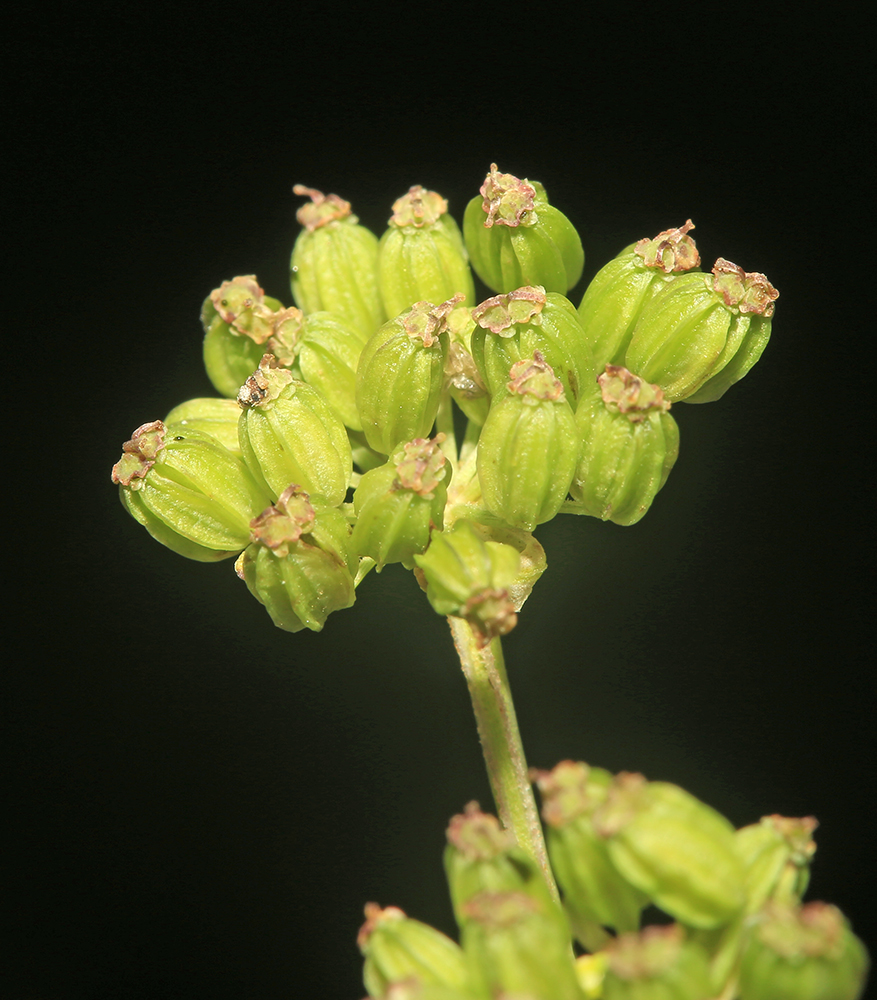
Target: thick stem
[491, 695]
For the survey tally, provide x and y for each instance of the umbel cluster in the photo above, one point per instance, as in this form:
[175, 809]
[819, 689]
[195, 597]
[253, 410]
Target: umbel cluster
[330, 447]
[619, 844]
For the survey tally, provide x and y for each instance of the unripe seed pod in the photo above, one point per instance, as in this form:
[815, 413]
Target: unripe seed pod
[216, 417]
[703, 332]
[806, 953]
[594, 892]
[422, 257]
[656, 964]
[299, 565]
[397, 948]
[776, 857]
[188, 491]
[472, 578]
[528, 448]
[290, 434]
[238, 318]
[629, 445]
[674, 848]
[399, 504]
[613, 301]
[518, 947]
[327, 357]
[514, 237]
[511, 327]
[334, 265]
[482, 856]
[400, 375]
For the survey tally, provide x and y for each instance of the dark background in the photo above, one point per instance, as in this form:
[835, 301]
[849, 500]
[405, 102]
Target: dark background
[199, 804]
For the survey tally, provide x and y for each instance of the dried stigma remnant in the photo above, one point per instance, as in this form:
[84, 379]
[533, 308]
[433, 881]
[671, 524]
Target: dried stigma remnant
[138, 454]
[671, 251]
[322, 210]
[427, 321]
[508, 200]
[624, 392]
[749, 291]
[501, 313]
[264, 384]
[418, 208]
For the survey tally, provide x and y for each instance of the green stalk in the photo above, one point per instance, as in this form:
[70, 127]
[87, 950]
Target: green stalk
[485, 673]
[444, 423]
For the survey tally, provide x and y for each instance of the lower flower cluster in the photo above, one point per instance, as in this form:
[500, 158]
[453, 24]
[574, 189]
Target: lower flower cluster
[619, 844]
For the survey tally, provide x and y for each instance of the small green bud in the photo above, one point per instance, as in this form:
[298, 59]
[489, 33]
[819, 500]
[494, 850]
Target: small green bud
[421, 257]
[511, 327]
[517, 947]
[528, 448]
[334, 265]
[238, 318]
[674, 848]
[629, 445]
[806, 953]
[594, 892]
[188, 491]
[397, 949]
[216, 417]
[523, 240]
[656, 964]
[400, 375]
[703, 332]
[290, 434]
[299, 564]
[399, 504]
[616, 296]
[776, 857]
[472, 578]
[327, 356]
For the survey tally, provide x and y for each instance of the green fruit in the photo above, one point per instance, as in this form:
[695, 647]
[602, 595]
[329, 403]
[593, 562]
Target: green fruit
[528, 447]
[615, 298]
[399, 504]
[299, 565]
[400, 376]
[803, 953]
[511, 327]
[674, 848]
[514, 237]
[702, 333]
[397, 948]
[290, 434]
[629, 445]
[189, 492]
[422, 257]
[334, 264]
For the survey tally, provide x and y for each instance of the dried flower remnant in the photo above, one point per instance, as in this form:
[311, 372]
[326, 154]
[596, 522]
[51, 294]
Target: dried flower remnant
[671, 251]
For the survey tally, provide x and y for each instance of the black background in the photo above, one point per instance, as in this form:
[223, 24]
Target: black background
[200, 804]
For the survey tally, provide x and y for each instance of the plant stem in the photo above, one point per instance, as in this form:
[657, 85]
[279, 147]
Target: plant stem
[485, 673]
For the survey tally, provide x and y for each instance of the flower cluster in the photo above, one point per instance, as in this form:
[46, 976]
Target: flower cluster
[343, 405]
[617, 845]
